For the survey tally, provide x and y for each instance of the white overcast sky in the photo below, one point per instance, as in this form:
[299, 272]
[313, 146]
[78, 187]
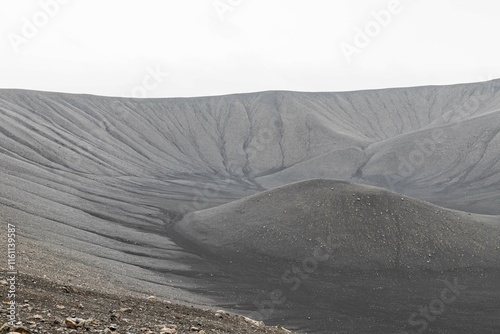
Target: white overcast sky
[110, 47]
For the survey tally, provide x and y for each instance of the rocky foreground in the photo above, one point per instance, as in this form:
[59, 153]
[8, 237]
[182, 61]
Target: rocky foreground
[48, 307]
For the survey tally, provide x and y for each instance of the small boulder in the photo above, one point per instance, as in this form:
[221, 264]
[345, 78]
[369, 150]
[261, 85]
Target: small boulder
[74, 322]
[5, 328]
[20, 330]
[126, 310]
[254, 322]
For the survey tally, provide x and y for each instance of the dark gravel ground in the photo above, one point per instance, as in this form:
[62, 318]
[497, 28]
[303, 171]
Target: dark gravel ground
[48, 307]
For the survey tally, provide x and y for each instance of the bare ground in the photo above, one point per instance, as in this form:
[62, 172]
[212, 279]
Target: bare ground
[51, 289]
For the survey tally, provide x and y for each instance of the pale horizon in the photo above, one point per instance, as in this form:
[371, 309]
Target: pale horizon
[220, 47]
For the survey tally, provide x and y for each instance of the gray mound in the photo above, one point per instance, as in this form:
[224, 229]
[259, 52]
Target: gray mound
[359, 227]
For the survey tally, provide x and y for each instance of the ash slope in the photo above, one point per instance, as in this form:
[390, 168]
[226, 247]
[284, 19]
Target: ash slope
[164, 149]
[96, 179]
[102, 176]
[360, 227]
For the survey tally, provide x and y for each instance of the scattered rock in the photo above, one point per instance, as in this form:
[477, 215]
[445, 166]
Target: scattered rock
[254, 322]
[166, 330]
[74, 322]
[20, 330]
[67, 289]
[221, 314]
[5, 328]
[52, 311]
[115, 316]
